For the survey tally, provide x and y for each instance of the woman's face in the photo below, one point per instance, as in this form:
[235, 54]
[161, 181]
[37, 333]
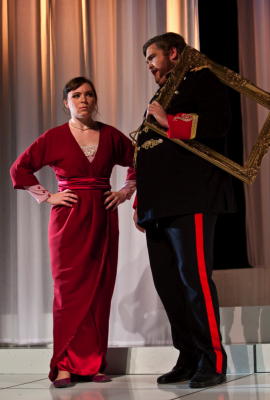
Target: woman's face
[81, 102]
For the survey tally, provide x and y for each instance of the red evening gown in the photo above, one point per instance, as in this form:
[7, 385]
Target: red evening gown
[83, 241]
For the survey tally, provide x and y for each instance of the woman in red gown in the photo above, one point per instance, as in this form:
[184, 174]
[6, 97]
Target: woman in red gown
[83, 228]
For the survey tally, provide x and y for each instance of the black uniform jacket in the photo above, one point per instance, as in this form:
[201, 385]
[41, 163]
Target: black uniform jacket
[173, 181]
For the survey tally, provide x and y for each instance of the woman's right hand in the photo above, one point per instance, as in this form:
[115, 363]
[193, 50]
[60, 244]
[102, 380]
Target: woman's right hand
[65, 198]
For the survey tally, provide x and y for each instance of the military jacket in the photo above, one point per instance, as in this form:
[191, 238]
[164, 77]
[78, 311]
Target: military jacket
[170, 179]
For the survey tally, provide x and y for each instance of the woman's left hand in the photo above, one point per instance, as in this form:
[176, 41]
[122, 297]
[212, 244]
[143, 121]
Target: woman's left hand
[113, 199]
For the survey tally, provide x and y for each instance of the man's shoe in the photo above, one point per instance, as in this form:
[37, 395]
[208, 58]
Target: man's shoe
[204, 379]
[176, 375]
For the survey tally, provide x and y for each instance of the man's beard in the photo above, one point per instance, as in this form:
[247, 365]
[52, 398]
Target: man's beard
[162, 79]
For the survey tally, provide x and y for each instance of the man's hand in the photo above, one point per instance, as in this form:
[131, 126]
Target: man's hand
[65, 198]
[158, 113]
[135, 219]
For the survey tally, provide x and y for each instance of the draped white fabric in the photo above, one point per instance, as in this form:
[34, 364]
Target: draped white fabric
[254, 53]
[44, 43]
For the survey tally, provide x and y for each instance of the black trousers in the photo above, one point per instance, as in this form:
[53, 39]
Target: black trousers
[181, 258]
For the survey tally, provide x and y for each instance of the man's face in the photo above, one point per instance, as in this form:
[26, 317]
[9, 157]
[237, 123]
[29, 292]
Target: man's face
[159, 62]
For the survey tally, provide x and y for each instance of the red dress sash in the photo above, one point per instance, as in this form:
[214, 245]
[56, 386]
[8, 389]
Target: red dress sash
[84, 183]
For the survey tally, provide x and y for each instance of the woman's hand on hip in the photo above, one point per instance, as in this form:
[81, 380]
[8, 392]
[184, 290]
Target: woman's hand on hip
[113, 199]
[65, 198]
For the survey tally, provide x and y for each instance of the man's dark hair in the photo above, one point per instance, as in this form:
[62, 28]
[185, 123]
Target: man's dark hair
[166, 41]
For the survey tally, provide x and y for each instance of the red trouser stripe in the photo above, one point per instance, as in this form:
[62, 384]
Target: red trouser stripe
[215, 338]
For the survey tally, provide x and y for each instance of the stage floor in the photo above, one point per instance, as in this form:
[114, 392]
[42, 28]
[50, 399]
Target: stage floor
[133, 387]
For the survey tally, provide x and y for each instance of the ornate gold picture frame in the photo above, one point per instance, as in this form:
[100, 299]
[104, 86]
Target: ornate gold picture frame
[190, 59]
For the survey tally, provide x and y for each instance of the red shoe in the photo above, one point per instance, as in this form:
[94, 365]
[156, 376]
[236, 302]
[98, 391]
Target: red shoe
[62, 383]
[101, 378]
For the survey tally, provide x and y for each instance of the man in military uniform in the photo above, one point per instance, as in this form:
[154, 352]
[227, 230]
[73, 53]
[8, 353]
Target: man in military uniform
[179, 196]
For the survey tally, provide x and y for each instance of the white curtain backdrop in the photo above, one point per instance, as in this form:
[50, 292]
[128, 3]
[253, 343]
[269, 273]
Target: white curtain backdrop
[254, 53]
[44, 43]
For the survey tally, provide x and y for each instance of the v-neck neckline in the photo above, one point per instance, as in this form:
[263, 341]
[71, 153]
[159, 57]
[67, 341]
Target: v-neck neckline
[79, 147]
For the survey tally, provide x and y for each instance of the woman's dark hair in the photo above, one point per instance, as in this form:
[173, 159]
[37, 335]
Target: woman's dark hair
[166, 41]
[74, 83]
